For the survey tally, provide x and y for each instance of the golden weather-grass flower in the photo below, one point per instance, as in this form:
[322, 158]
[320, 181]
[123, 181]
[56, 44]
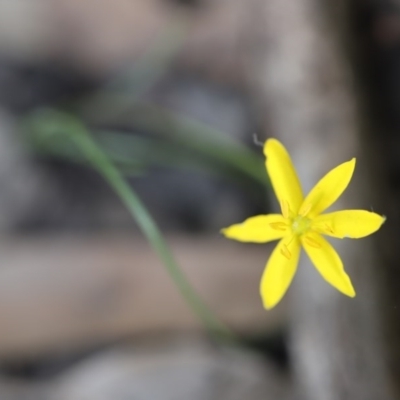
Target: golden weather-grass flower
[302, 224]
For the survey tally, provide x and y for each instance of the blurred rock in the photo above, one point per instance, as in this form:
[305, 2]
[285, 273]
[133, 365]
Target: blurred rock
[102, 37]
[22, 389]
[27, 30]
[183, 367]
[177, 371]
[60, 294]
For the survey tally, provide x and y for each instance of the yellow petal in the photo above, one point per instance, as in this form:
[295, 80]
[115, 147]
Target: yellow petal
[327, 262]
[328, 189]
[283, 177]
[348, 223]
[279, 271]
[259, 229]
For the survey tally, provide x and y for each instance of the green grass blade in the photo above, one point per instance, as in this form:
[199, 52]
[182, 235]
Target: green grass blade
[50, 122]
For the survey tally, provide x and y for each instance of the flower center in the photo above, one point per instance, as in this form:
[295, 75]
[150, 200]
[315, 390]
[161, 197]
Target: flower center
[300, 225]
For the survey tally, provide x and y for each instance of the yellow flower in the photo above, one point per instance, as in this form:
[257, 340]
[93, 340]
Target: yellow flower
[302, 225]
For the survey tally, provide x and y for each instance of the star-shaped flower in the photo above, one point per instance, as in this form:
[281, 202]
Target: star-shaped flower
[302, 225]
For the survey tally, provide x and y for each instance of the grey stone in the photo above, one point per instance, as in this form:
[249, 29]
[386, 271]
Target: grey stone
[176, 371]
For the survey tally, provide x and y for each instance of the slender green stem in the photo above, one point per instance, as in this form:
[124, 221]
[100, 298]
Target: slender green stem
[99, 161]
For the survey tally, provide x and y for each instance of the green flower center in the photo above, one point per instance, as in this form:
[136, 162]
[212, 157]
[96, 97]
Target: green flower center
[300, 225]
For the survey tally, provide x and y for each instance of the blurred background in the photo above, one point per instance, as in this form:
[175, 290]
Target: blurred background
[179, 96]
